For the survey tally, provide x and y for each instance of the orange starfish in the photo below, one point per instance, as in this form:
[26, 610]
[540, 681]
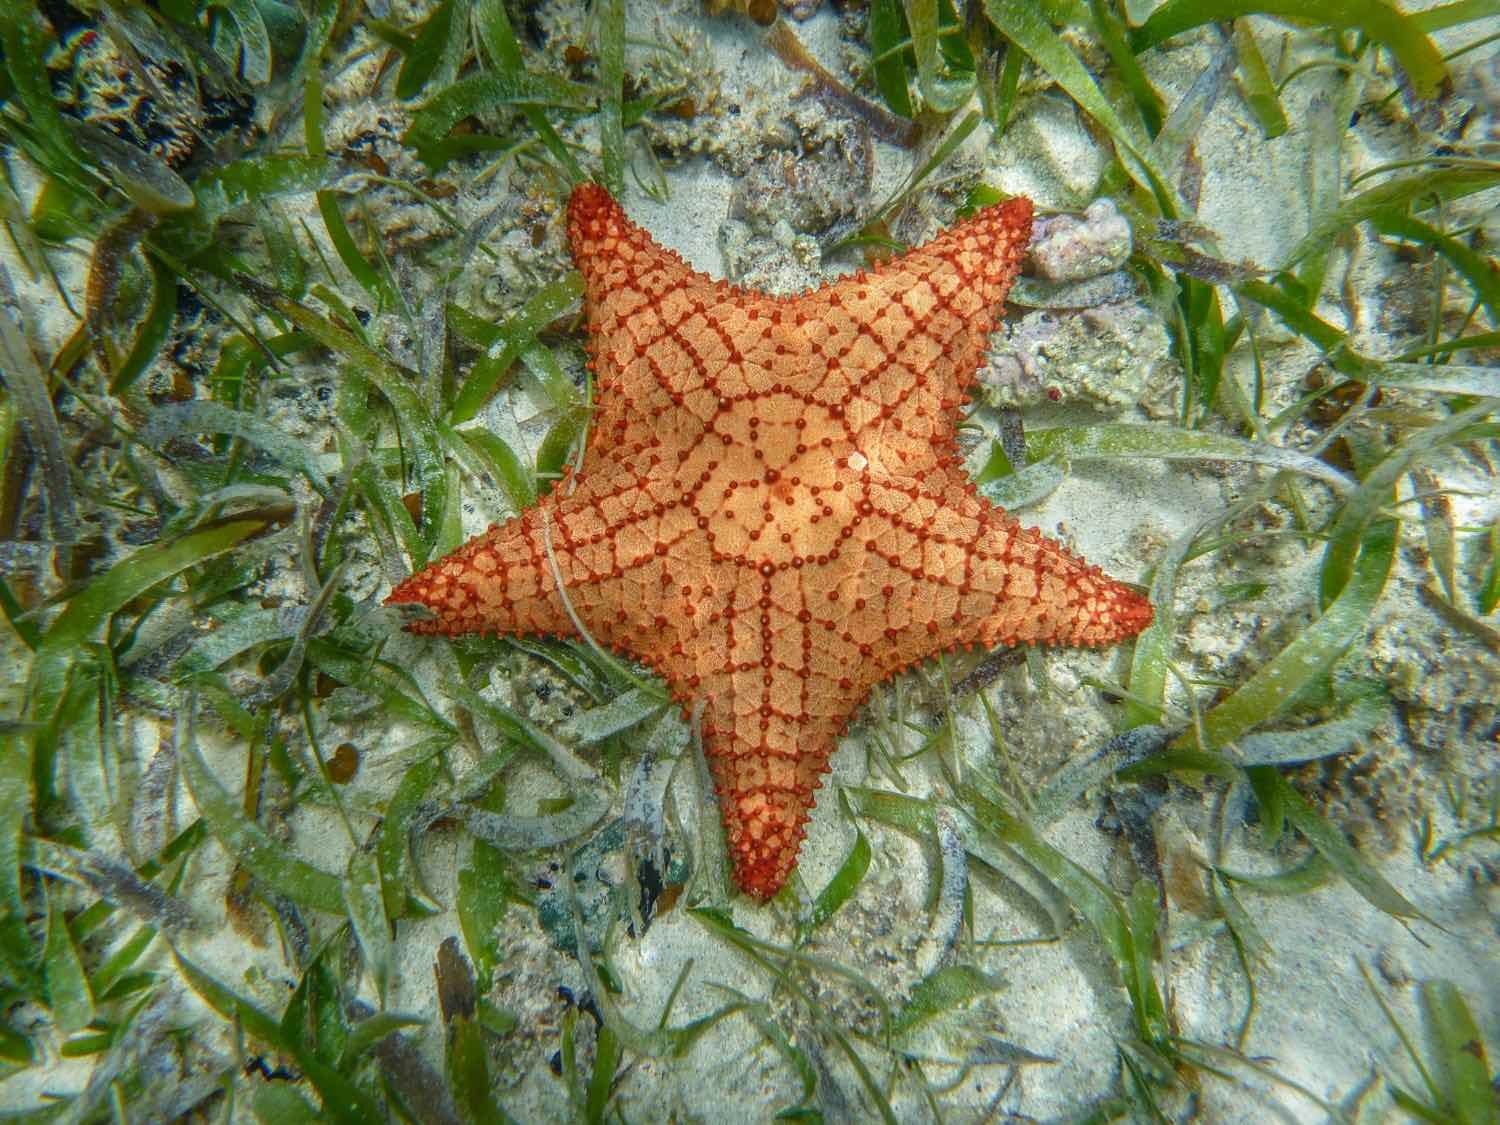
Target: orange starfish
[771, 512]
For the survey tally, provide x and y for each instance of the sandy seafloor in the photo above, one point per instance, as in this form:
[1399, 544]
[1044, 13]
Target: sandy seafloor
[1317, 1023]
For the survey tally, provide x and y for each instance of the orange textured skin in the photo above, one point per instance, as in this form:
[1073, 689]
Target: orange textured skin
[771, 511]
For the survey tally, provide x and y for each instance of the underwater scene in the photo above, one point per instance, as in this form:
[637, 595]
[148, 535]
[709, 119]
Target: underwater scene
[927, 561]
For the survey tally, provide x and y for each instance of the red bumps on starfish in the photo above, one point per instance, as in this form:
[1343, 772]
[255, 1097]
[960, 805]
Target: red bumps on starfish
[771, 512]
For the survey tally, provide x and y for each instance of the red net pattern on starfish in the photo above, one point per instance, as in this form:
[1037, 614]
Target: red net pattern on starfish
[771, 511]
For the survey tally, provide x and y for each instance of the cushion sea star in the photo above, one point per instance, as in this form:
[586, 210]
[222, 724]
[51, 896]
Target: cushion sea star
[771, 512]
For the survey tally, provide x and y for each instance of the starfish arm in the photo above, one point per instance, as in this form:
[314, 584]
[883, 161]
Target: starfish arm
[651, 336]
[903, 343]
[1049, 595]
[777, 686]
[497, 582]
[638, 571]
[608, 539]
[962, 571]
[766, 784]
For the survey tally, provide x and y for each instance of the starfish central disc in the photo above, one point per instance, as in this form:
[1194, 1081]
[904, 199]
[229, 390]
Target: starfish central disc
[772, 514]
[766, 497]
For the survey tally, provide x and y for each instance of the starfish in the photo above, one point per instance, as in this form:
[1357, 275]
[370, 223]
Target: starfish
[771, 511]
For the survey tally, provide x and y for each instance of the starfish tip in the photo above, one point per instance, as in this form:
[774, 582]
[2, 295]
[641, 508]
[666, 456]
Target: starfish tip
[1015, 212]
[404, 593]
[589, 201]
[761, 880]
